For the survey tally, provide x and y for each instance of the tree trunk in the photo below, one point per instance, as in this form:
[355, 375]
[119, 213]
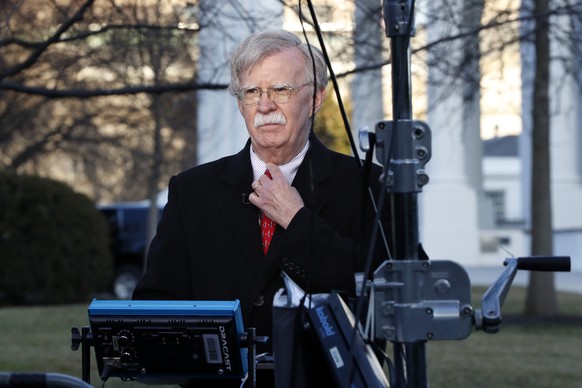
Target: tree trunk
[541, 294]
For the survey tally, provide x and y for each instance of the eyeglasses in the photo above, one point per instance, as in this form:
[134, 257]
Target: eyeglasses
[251, 96]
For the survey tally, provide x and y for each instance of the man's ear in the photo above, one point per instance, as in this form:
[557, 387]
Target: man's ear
[319, 97]
[240, 107]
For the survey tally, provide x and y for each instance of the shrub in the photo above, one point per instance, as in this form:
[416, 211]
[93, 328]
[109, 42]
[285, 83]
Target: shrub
[53, 243]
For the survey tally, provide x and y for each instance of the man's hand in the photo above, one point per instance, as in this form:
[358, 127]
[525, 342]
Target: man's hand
[276, 197]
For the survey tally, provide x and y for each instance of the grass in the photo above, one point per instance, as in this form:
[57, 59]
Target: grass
[518, 356]
[532, 355]
[38, 339]
[521, 354]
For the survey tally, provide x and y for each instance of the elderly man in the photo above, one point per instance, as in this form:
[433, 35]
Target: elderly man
[283, 203]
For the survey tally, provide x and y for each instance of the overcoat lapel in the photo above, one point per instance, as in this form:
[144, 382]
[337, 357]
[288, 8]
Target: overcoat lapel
[315, 169]
[241, 216]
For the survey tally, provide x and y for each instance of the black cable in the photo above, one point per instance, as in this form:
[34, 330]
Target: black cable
[377, 224]
[345, 119]
[298, 334]
[333, 80]
[107, 370]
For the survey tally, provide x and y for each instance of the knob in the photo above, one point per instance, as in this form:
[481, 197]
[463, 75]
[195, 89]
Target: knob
[124, 338]
[127, 355]
[75, 338]
[366, 139]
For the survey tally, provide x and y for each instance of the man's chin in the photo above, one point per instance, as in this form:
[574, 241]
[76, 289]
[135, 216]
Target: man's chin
[269, 139]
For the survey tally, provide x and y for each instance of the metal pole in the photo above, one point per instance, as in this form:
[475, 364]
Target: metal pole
[410, 358]
[86, 343]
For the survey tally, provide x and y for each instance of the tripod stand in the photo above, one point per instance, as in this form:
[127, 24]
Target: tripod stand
[417, 300]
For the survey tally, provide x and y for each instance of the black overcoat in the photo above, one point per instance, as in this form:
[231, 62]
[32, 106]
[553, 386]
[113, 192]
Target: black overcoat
[208, 244]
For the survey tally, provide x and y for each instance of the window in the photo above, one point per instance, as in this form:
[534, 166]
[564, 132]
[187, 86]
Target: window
[497, 199]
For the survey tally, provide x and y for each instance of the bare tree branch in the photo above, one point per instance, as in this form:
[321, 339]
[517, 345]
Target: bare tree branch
[87, 93]
[31, 60]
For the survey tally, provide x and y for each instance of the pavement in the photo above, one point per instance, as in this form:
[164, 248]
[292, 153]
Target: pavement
[563, 281]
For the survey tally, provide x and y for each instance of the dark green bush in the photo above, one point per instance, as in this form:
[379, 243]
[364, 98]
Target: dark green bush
[53, 243]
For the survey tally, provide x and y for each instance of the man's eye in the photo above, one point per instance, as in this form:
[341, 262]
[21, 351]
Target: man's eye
[251, 92]
[280, 89]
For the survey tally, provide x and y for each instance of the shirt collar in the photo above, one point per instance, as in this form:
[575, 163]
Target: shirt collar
[288, 169]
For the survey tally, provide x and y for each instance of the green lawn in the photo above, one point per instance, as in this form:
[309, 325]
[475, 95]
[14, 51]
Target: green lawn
[530, 355]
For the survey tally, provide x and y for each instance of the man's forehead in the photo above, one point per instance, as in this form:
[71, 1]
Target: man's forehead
[275, 68]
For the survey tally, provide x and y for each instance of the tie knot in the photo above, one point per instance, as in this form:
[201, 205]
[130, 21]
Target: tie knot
[268, 173]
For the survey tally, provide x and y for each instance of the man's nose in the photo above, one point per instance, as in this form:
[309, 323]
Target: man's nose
[265, 103]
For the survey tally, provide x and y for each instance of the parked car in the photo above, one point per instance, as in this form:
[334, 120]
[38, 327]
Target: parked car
[128, 230]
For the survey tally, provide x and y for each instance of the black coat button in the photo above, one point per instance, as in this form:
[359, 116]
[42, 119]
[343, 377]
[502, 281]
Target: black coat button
[260, 301]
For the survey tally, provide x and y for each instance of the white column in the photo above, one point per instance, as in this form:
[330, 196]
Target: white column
[565, 137]
[565, 141]
[224, 24]
[449, 208]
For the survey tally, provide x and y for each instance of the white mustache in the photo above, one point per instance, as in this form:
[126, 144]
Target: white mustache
[271, 118]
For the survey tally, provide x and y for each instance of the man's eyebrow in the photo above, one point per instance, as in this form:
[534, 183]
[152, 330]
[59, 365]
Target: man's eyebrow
[275, 85]
[280, 85]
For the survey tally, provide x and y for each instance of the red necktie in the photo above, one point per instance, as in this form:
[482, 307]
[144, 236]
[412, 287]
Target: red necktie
[267, 227]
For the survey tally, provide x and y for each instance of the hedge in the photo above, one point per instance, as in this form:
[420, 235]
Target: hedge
[53, 243]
